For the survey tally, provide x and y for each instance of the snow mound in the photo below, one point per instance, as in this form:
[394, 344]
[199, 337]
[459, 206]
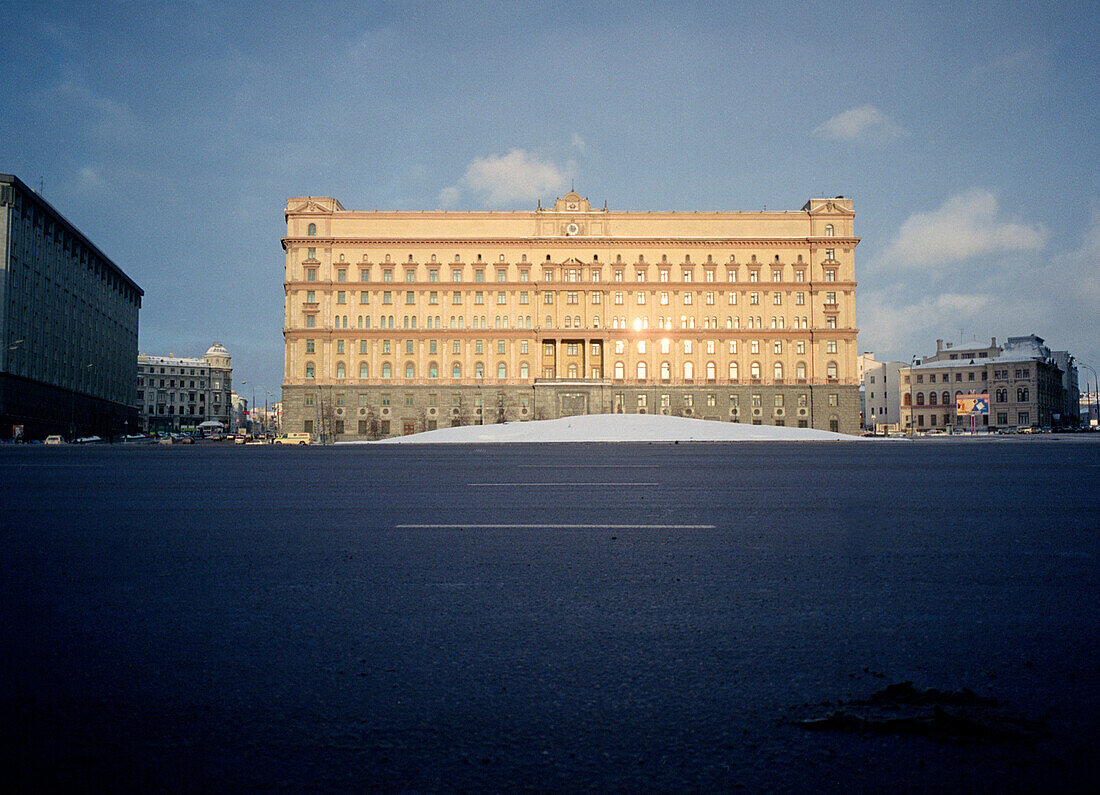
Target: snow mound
[616, 428]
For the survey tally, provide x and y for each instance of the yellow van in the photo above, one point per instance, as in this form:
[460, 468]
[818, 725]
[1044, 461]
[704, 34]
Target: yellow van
[293, 438]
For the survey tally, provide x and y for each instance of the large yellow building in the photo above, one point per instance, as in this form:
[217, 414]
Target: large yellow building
[399, 322]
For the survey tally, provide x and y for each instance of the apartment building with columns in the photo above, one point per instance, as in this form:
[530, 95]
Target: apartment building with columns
[400, 322]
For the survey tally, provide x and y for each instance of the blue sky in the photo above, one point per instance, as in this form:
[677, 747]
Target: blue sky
[173, 133]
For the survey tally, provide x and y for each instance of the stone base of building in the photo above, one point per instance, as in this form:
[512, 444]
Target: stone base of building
[375, 411]
[41, 410]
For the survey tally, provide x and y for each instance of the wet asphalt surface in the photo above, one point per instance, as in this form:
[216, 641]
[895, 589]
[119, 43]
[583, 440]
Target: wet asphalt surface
[644, 617]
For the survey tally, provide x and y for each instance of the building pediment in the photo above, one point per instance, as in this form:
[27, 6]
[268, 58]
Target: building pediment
[310, 205]
[836, 206]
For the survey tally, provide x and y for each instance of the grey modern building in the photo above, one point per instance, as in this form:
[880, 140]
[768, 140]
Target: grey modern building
[68, 322]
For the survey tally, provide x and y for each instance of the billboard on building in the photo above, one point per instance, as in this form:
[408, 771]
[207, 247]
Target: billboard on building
[971, 405]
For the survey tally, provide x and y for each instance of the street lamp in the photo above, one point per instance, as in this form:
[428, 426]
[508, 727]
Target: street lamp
[72, 402]
[1096, 387]
[252, 405]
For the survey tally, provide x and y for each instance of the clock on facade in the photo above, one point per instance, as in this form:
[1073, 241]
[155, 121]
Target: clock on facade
[572, 229]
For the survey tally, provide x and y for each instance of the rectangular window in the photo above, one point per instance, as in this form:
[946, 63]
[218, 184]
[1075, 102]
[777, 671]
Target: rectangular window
[341, 275]
[456, 298]
[410, 297]
[754, 299]
[710, 299]
[571, 298]
[364, 346]
[502, 275]
[641, 299]
[501, 298]
[433, 298]
[479, 298]
[387, 275]
[433, 275]
[479, 275]
[523, 297]
[456, 274]
[688, 299]
[456, 347]
[548, 298]
[596, 296]
[341, 297]
[524, 275]
[387, 297]
[777, 299]
[830, 275]
[364, 274]
[500, 347]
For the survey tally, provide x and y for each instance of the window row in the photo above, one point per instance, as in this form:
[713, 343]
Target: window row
[641, 371]
[776, 274]
[566, 321]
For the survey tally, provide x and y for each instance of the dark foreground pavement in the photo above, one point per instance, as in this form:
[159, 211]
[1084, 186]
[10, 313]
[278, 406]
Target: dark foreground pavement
[568, 617]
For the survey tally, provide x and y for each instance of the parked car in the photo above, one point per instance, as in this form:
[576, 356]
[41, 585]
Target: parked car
[293, 438]
[54, 439]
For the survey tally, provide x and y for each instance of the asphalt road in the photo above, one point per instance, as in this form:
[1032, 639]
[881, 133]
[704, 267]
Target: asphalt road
[564, 617]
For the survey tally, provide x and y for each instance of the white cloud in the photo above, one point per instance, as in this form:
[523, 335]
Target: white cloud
[89, 181]
[898, 324]
[867, 123]
[579, 143]
[496, 180]
[966, 225]
[108, 118]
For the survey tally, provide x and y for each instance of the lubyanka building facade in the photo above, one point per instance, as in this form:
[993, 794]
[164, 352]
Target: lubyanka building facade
[399, 322]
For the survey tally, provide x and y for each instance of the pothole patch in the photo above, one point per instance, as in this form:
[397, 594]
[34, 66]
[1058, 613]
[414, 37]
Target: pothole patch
[955, 716]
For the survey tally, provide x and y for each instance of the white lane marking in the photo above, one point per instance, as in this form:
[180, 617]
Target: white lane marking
[554, 526]
[559, 483]
[56, 466]
[588, 466]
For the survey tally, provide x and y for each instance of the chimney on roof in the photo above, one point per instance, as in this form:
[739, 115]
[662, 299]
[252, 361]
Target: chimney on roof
[939, 345]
